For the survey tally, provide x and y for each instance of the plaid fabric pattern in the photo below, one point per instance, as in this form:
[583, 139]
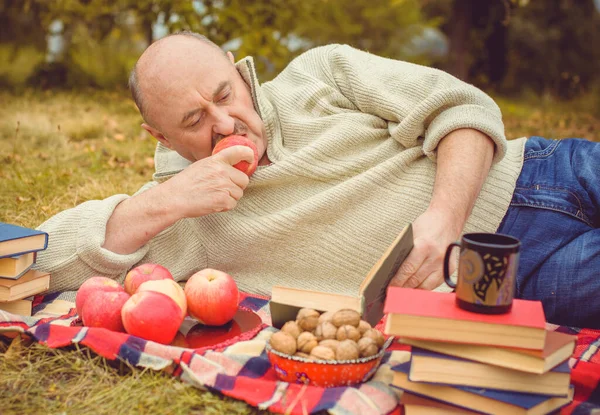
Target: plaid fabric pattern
[240, 368]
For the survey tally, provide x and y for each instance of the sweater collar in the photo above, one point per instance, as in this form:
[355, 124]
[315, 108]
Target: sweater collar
[168, 163]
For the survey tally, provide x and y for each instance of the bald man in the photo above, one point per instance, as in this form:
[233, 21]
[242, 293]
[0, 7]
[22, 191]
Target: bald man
[352, 147]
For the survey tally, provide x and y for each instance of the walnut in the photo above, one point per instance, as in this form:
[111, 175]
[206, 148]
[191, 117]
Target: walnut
[283, 342]
[326, 316]
[347, 332]
[323, 353]
[375, 335]
[363, 326]
[307, 319]
[331, 343]
[301, 354]
[367, 347]
[325, 330]
[306, 342]
[291, 327]
[303, 312]
[344, 317]
[347, 350]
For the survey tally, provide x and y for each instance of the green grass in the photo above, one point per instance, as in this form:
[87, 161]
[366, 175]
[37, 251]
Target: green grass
[59, 149]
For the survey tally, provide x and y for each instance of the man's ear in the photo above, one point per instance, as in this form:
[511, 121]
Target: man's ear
[230, 56]
[158, 135]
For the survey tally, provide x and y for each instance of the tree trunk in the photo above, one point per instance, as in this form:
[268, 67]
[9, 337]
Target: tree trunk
[460, 23]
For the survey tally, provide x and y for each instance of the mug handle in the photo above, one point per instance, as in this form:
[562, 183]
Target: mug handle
[451, 283]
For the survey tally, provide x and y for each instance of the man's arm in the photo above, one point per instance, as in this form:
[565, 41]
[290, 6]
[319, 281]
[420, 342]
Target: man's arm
[207, 186]
[464, 158]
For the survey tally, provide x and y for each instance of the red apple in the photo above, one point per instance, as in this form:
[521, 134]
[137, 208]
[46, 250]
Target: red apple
[239, 140]
[103, 309]
[143, 273]
[212, 297]
[152, 316]
[169, 288]
[94, 284]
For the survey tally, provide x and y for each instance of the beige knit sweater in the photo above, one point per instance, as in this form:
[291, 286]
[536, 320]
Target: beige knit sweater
[352, 139]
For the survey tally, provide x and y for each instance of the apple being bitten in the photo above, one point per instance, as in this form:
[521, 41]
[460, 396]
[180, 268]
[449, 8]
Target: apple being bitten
[152, 316]
[92, 285]
[239, 140]
[212, 297]
[142, 273]
[103, 309]
[169, 288]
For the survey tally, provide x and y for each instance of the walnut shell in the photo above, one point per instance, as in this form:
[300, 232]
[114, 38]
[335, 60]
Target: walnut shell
[347, 350]
[325, 331]
[308, 319]
[363, 326]
[302, 354]
[367, 347]
[283, 342]
[323, 353]
[344, 317]
[375, 335]
[304, 312]
[347, 332]
[306, 342]
[326, 316]
[291, 327]
[331, 343]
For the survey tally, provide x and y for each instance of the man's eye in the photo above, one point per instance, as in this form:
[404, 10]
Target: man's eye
[225, 97]
[195, 122]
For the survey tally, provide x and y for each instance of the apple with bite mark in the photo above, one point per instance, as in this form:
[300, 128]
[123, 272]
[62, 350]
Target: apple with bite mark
[239, 140]
[212, 297]
[152, 316]
[169, 288]
[142, 273]
[103, 309]
[94, 284]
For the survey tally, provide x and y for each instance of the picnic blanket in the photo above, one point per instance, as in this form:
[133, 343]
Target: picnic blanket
[240, 369]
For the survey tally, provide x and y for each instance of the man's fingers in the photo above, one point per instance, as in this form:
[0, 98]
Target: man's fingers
[432, 281]
[236, 193]
[240, 179]
[234, 154]
[406, 275]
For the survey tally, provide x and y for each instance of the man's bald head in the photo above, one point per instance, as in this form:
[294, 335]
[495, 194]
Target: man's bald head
[161, 53]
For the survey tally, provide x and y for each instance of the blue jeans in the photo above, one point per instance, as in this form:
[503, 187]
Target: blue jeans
[555, 213]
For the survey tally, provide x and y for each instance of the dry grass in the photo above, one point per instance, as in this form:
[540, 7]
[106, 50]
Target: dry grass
[38, 380]
[60, 149]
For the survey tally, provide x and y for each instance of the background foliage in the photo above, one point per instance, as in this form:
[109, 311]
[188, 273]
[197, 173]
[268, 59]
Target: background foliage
[509, 46]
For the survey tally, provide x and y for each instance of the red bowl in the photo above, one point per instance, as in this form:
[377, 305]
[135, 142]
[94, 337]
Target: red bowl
[324, 373]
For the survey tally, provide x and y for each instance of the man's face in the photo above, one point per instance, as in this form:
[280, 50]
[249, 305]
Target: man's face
[194, 96]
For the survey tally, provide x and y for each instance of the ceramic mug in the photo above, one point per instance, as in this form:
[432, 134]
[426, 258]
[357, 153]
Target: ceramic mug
[487, 272]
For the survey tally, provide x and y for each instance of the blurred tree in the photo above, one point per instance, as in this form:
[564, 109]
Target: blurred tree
[512, 45]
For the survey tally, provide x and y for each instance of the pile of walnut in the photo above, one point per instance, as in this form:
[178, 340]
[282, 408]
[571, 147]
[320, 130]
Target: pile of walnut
[329, 336]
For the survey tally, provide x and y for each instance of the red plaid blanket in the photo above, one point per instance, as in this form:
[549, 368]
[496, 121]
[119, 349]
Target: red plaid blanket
[241, 370]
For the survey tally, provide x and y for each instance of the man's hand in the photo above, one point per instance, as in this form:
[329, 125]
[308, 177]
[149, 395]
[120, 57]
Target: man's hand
[209, 185]
[423, 268]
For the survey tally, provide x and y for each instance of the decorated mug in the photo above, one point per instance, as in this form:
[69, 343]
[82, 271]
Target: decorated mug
[487, 272]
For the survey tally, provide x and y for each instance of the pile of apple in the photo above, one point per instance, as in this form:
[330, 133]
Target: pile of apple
[152, 305]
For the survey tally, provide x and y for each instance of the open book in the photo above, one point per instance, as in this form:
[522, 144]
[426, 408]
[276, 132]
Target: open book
[285, 301]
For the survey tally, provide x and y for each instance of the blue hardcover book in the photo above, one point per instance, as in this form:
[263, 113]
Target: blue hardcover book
[17, 240]
[482, 400]
[433, 367]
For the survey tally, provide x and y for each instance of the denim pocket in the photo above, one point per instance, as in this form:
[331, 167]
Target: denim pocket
[539, 147]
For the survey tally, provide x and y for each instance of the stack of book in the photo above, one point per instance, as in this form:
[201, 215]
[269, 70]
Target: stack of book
[18, 280]
[465, 361]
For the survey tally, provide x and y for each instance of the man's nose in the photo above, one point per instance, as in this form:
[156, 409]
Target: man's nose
[223, 123]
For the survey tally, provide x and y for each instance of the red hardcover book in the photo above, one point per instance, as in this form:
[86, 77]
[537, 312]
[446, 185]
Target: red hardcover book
[430, 315]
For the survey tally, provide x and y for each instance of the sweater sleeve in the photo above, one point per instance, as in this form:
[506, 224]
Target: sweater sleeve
[75, 242]
[421, 104]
